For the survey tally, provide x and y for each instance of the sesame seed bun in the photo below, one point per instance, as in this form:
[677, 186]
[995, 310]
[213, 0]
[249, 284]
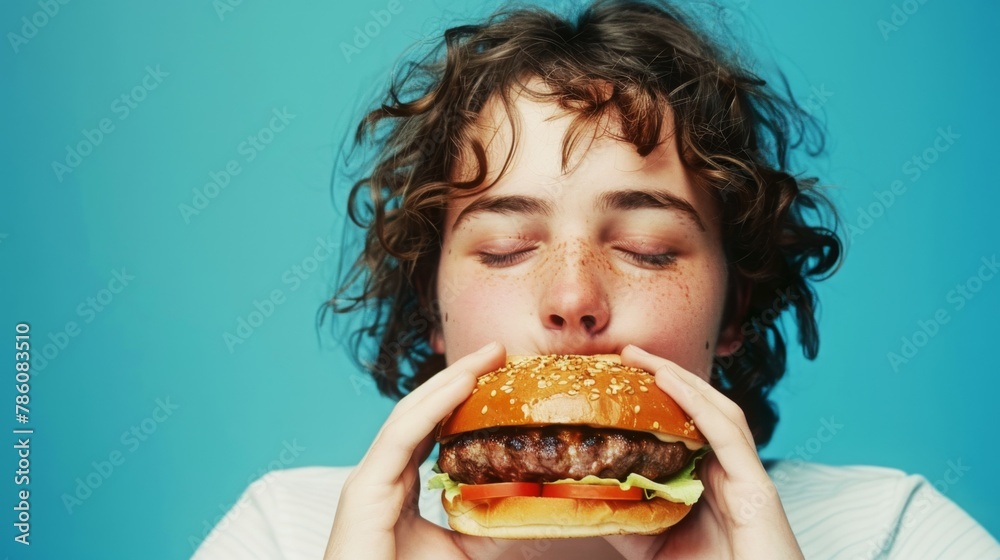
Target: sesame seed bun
[593, 391]
[522, 517]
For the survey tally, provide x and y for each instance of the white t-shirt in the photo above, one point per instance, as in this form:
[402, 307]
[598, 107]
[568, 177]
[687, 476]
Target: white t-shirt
[836, 512]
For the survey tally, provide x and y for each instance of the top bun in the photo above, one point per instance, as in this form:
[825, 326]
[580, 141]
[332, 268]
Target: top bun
[594, 391]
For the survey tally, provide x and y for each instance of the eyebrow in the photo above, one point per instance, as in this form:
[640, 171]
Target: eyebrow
[627, 199]
[505, 204]
[636, 199]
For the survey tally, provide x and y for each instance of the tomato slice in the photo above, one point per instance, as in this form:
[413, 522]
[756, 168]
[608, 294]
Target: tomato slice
[591, 491]
[500, 490]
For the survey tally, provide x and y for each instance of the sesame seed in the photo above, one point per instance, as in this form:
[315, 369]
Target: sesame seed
[643, 389]
[594, 397]
[511, 401]
[484, 409]
[572, 392]
[656, 425]
[493, 393]
[637, 409]
[541, 383]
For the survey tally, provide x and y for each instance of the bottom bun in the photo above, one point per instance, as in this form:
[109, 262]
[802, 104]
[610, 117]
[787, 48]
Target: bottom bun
[524, 517]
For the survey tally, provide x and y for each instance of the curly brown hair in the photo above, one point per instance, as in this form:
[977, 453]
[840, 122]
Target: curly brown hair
[735, 133]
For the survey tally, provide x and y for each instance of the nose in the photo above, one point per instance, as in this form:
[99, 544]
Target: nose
[574, 299]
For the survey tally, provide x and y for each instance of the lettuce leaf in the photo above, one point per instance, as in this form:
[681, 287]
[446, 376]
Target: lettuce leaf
[443, 481]
[683, 487]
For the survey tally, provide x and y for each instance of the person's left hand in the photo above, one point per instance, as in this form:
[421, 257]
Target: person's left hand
[739, 515]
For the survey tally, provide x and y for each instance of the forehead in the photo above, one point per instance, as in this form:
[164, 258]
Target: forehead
[596, 160]
[543, 127]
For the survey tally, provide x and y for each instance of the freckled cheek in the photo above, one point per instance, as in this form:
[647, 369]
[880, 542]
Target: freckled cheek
[673, 315]
[489, 307]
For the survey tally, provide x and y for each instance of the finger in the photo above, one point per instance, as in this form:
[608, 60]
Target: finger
[636, 546]
[394, 447]
[722, 402]
[730, 442]
[438, 542]
[436, 381]
[448, 375]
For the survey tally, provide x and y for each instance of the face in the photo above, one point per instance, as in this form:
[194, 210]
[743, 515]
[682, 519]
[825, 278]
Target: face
[620, 250]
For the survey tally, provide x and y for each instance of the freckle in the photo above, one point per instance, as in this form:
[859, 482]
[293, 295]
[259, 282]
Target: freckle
[706, 345]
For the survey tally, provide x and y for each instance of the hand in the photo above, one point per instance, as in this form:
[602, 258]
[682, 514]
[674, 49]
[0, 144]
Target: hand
[739, 515]
[377, 516]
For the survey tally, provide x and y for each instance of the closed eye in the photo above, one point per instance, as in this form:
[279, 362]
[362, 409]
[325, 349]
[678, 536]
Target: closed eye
[656, 260]
[500, 260]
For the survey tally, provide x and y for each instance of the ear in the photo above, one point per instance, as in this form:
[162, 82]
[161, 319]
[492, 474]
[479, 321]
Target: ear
[437, 340]
[731, 334]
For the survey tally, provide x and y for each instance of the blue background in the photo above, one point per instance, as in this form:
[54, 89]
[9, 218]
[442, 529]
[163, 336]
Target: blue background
[196, 276]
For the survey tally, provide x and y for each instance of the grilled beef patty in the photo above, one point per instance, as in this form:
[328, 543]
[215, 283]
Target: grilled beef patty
[555, 452]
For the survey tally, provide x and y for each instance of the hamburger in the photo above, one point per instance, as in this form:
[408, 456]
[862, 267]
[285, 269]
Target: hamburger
[567, 446]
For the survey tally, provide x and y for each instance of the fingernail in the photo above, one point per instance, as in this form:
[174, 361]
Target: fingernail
[488, 348]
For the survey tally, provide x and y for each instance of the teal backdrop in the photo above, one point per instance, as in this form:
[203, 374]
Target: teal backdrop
[168, 231]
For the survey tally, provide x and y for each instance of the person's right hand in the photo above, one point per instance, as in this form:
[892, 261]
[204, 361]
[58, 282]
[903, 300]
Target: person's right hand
[378, 515]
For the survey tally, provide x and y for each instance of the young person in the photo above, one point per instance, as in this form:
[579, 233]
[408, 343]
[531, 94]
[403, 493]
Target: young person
[611, 184]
